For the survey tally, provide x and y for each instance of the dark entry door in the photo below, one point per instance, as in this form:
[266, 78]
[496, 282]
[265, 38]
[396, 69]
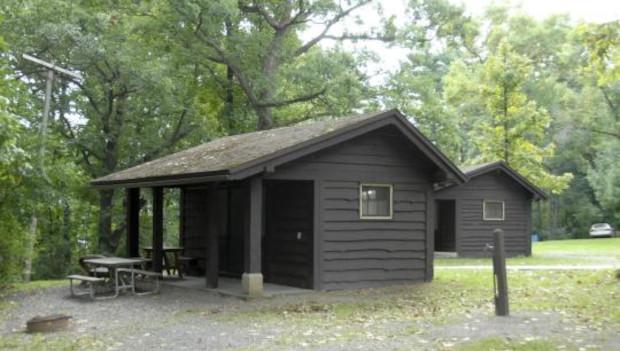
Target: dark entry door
[445, 232]
[288, 241]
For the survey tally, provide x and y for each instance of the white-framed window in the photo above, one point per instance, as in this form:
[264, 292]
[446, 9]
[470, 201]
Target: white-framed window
[376, 201]
[493, 210]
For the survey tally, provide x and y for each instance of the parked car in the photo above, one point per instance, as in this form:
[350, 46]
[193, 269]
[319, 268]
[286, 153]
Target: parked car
[598, 230]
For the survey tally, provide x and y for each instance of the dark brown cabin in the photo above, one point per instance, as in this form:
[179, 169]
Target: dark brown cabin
[495, 196]
[333, 204]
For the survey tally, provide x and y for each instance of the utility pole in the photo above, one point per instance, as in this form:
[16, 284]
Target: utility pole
[42, 140]
[51, 68]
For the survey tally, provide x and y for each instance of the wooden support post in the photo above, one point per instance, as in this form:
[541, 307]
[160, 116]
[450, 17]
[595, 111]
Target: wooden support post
[212, 237]
[133, 222]
[181, 216]
[254, 235]
[252, 279]
[500, 280]
[158, 228]
[430, 237]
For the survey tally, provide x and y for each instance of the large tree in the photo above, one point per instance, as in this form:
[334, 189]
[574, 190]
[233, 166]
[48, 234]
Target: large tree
[133, 102]
[14, 163]
[259, 47]
[602, 74]
[436, 34]
[513, 126]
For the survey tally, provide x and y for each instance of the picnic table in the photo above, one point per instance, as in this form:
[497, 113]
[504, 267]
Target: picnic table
[113, 264]
[175, 251]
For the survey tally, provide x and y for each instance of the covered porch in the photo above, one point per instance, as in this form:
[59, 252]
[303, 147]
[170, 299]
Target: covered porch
[250, 237]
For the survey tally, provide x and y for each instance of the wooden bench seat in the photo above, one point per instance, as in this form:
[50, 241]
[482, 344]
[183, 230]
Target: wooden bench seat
[154, 276]
[90, 281]
[85, 278]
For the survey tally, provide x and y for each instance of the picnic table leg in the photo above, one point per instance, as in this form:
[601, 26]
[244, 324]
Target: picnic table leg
[71, 287]
[178, 265]
[115, 282]
[91, 287]
[166, 262]
[133, 282]
[113, 277]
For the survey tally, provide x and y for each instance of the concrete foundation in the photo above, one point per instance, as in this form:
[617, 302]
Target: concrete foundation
[252, 284]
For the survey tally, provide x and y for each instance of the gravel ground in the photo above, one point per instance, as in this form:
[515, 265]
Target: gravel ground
[146, 322]
[183, 319]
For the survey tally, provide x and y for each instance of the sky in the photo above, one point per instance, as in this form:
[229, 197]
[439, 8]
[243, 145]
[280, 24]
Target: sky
[587, 10]
[598, 11]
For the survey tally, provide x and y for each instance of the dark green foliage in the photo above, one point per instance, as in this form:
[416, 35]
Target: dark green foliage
[160, 76]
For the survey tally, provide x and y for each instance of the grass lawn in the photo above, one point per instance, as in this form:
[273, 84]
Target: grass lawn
[503, 344]
[556, 252]
[579, 247]
[31, 286]
[582, 299]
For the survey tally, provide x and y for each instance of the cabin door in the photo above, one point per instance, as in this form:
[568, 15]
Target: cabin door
[445, 232]
[288, 242]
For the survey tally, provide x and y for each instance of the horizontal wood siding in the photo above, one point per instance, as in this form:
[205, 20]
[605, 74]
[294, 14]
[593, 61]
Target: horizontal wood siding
[358, 253]
[473, 233]
[367, 252]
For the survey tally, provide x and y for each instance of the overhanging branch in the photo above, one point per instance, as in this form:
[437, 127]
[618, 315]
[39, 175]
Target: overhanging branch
[261, 11]
[298, 99]
[604, 132]
[178, 134]
[309, 44]
[384, 38]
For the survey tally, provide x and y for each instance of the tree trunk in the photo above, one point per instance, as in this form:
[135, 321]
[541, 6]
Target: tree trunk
[31, 238]
[66, 231]
[230, 81]
[270, 67]
[229, 101]
[265, 120]
[105, 221]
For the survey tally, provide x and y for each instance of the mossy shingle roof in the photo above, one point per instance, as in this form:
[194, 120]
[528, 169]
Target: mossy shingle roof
[230, 152]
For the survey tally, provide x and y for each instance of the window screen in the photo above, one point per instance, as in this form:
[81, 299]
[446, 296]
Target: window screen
[493, 210]
[375, 201]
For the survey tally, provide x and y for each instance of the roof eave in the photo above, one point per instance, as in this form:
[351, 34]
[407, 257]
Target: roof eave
[163, 181]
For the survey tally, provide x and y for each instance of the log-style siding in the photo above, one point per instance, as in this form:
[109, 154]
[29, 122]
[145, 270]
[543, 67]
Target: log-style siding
[472, 232]
[358, 252]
